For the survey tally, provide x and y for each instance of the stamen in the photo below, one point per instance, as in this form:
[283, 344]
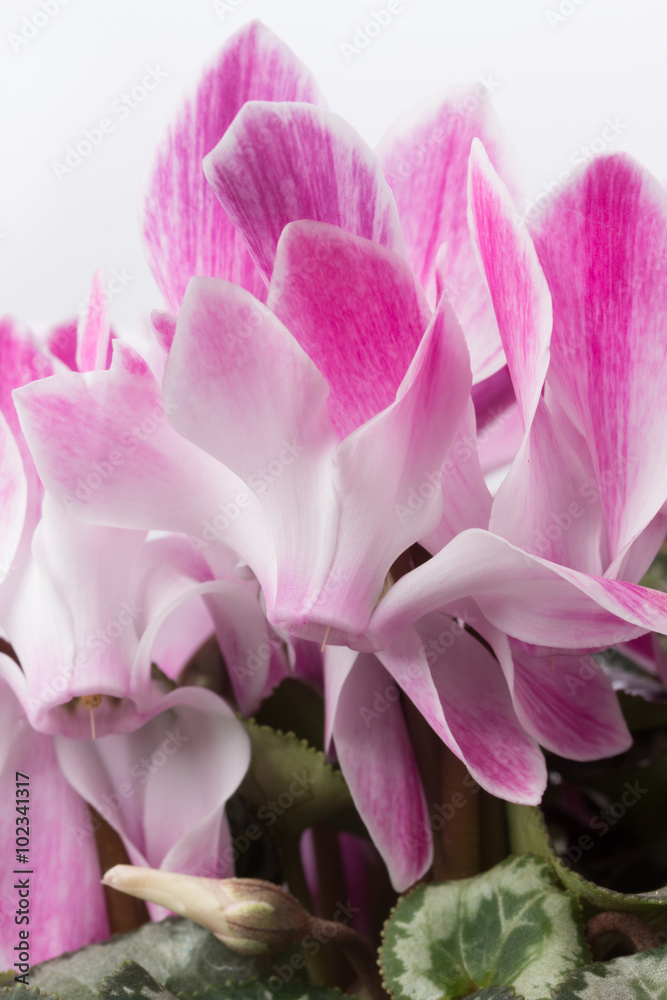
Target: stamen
[91, 702]
[326, 636]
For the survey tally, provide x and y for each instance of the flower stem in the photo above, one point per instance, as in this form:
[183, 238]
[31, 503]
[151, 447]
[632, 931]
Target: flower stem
[125, 913]
[359, 953]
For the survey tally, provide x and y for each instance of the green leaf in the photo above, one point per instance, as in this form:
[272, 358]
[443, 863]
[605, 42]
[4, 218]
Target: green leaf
[132, 980]
[176, 952]
[256, 990]
[20, 992]
[529, 835]
[291, 781]
[635, 977]
[508, 927]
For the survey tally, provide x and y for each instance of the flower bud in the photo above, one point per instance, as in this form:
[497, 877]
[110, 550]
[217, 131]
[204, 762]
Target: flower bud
[250, 916]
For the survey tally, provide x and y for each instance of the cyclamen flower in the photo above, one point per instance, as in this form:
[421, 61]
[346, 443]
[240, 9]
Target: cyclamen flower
[344, 361]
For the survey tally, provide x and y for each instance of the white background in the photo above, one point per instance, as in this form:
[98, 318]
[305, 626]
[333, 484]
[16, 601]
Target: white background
[555, 85]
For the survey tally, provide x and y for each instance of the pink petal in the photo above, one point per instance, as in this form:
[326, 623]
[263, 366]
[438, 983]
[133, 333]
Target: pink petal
[57, 858]
[603, 245]
[125, 358]
[523, 595]
[164, 327]
[355, 309]
[104, 445]
[13, 498]
[519, 291]
[459, 688]
[567, 704]
[426, 164]
[278, 163]
[376, 757]
[186, 231]
[164, 786]
[388, 475]
[467, 501]
[546, 503]
[246, 393]
[93, 328]
[62, 343]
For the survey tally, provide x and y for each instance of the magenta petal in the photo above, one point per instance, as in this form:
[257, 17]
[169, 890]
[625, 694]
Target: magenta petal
[376, 757]
[93, 328]
[355, 309]
[125, 358]
[388, 475]
[519, 291]
[459, 688]
[426, 164]
[164, 786]
[186, 231]
[278, 163]
[58, 858]
[567, 704]
[603, 245]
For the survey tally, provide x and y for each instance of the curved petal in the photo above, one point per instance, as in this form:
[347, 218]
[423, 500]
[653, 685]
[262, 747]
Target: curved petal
[426, 163]
[247, 394]
[388, 475]
[603, 245]
[521, 594]
[355, 309]
[75, 625]
[376, 757]
[130, 468]
[278, 163]
[163, 787]
[57, 858]
[518, 288]
[568, 705]
[459, 688]
[185, 229]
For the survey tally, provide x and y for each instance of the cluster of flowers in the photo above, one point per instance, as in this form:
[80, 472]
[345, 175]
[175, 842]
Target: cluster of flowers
[292, 466]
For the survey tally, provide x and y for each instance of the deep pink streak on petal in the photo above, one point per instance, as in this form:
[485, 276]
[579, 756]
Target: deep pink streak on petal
[425, 160]
[603, 245]
[279, 163]
[377, 760]
[163, 325]
[125, 358]
[62, 849]
[186, 231]
[61, 343]
[567, 704]
[356, 310]
[388, 474]
[518, 288]
[460, 689]
[93, 328]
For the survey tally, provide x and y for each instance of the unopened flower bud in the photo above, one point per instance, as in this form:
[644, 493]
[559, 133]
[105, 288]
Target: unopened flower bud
[250, 916]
